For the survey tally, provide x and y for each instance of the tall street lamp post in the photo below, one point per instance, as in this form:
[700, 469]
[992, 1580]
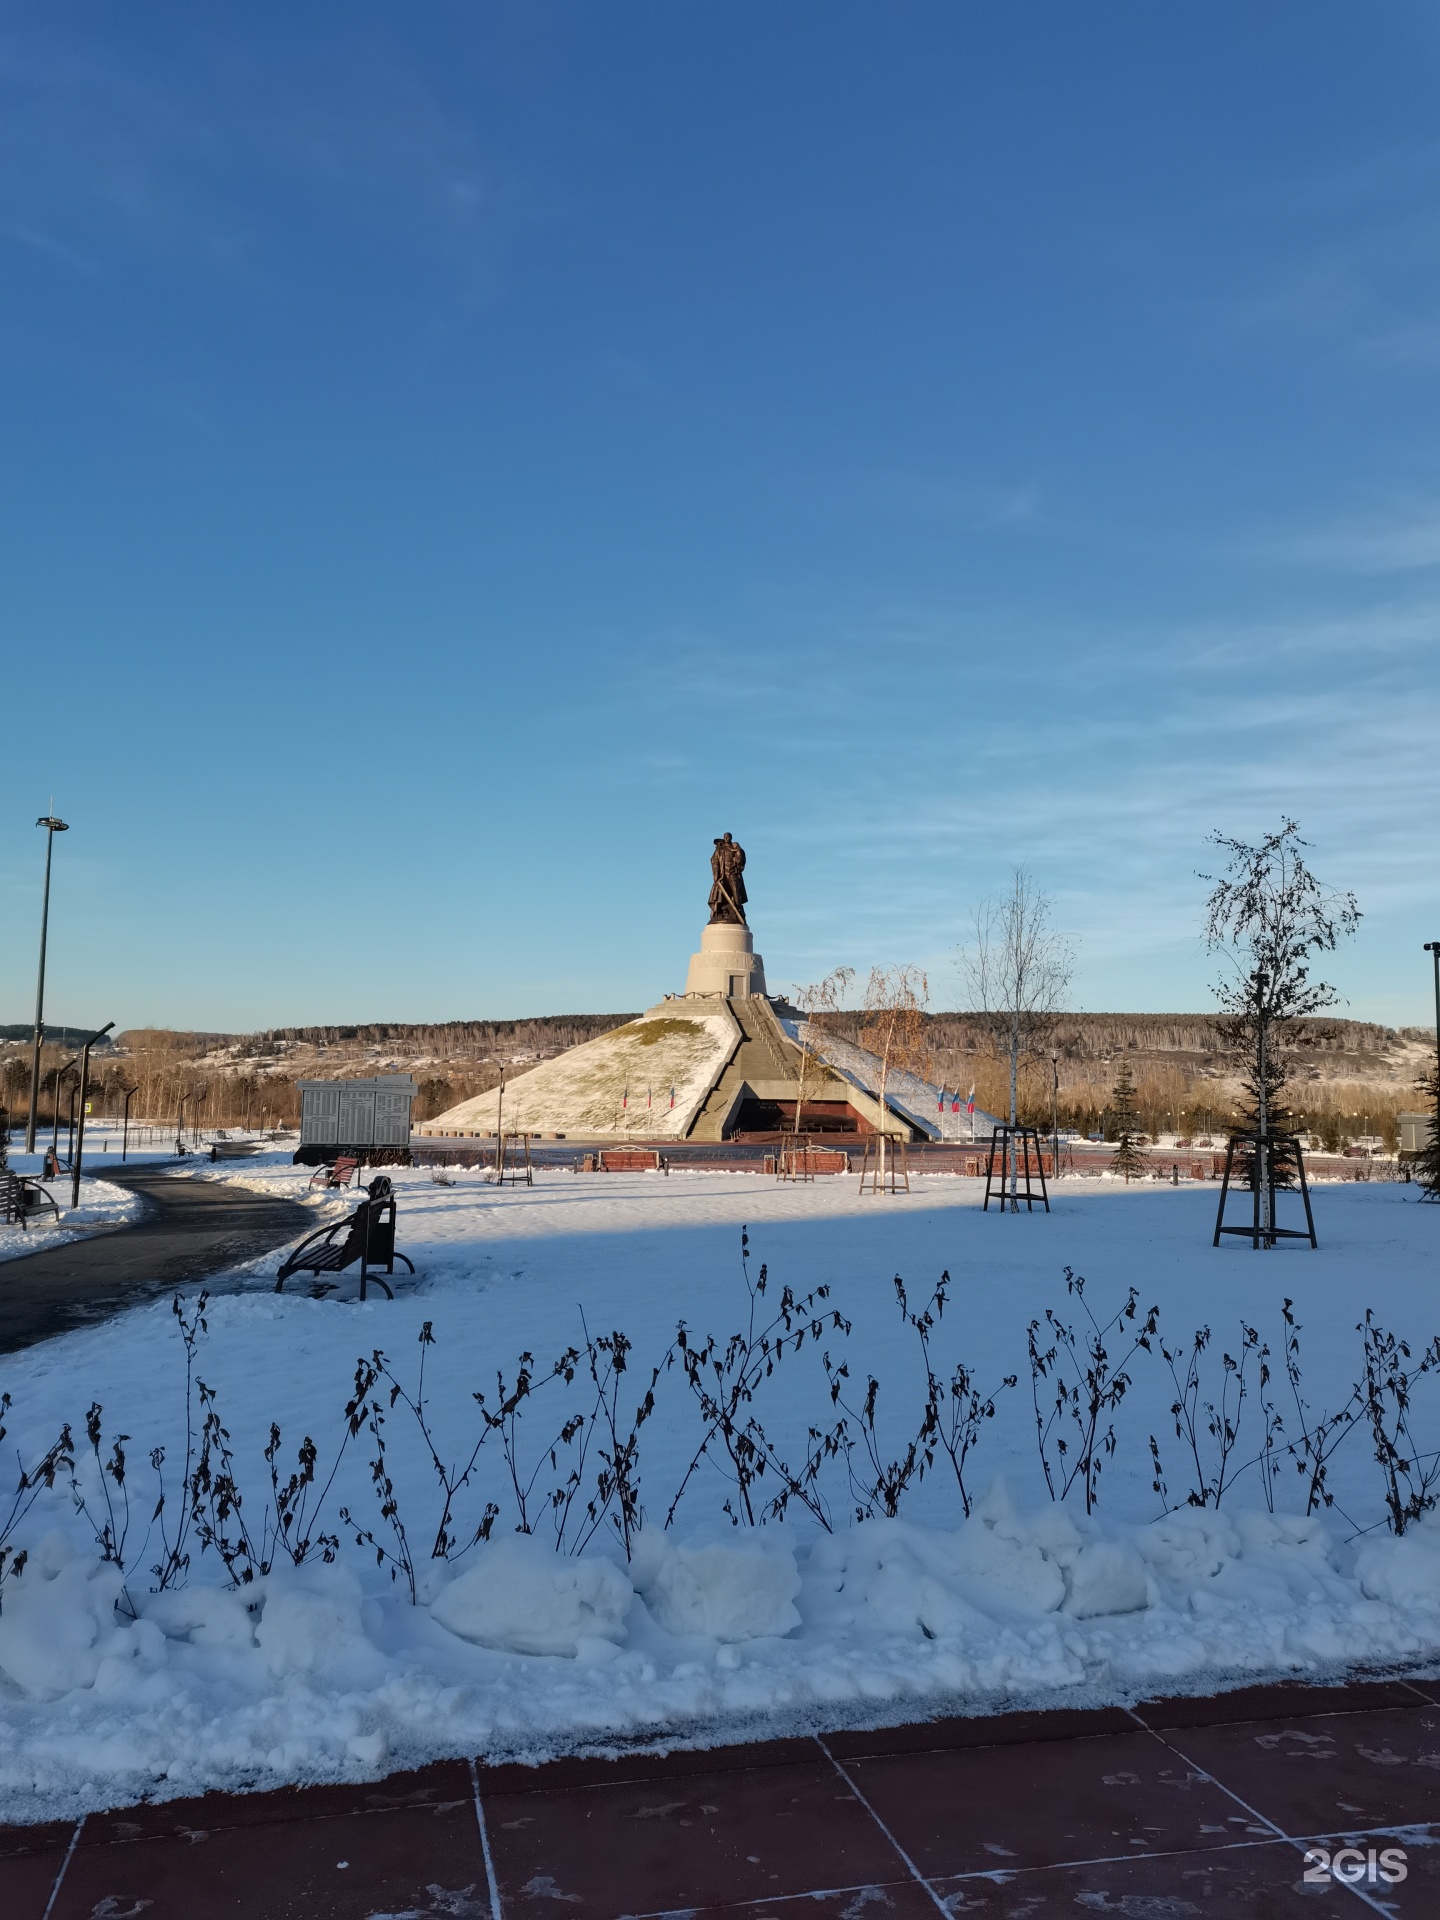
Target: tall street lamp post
[79, 1153]
[1266, 1238]
[52, 827]
[1432, 947]
[1055, 1112]
[130, 1093]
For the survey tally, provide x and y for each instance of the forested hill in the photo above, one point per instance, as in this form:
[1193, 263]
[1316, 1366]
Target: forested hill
[543, 1033]
[1081, 1036]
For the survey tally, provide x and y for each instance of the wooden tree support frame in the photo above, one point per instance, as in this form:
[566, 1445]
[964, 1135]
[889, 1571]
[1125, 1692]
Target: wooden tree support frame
[1005, 1141]
[793, 1162]
[1255, 1233]
[512, 1160]
[887, 1171]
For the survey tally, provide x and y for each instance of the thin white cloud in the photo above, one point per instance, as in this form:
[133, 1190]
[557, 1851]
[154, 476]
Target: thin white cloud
[51, 247]
[101, 141]
[1404, 540]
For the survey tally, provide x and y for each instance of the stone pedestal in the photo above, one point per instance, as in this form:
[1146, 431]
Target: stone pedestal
[726, 964]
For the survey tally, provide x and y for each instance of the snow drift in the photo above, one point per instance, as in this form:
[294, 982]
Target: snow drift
[309, 1675]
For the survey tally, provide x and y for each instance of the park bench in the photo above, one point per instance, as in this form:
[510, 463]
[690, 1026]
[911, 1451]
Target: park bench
[367, 1236]
[20, 1196]
[337, 1173]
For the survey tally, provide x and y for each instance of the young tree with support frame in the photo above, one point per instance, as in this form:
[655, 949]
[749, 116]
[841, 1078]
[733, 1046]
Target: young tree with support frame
[814, 1001]
[1016, 971]
[1268, 918]
[894, 1031]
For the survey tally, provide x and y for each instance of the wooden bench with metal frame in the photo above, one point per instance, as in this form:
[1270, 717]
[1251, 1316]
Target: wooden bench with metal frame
[369, 1237]
[336, 1173]
[20, 1196]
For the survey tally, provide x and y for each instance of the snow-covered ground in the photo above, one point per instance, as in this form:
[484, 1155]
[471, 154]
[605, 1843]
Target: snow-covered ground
[102, 1204]
[709, 1632]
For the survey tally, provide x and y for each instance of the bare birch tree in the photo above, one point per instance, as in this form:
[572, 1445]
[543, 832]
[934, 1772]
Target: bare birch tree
[814, 1001]
[1016, 971]
[894, 1030]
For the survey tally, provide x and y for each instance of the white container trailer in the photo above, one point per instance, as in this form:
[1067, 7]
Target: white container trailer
[356, 1113]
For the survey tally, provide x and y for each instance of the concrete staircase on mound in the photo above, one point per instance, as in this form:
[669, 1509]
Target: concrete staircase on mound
[763, 1059]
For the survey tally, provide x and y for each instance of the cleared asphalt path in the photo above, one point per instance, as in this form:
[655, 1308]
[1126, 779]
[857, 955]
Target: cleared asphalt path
[191, 1229]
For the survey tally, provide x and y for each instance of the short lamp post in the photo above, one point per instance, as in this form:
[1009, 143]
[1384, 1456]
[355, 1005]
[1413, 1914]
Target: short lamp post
[180, 1127]
[79, 1153]
[130, 1093]
[52, 827]
[60, 1073]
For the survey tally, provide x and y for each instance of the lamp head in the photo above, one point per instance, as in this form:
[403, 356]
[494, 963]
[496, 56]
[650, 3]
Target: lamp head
[55, 826]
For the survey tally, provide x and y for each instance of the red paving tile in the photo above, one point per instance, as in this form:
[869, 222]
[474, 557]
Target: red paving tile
[1019, 1815]
[1260, 1882]
[1417, 1896]
[445, 1784]
[900, 1900]
[1336, 1773]
[990, 1730]
[676, 1764]
[1275, 1703]
[36, 1839]
[26, 1880]
[660, 1845]
[985, 1808]
[420, 1861]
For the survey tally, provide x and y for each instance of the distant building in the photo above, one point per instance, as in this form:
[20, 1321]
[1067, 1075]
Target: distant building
[1414, 1130]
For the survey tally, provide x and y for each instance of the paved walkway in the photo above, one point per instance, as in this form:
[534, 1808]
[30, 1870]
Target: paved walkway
[191, 1229]
[1181, 1807]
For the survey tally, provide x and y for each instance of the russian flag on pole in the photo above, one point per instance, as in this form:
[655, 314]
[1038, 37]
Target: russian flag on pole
[970, 1103]
[672, 1096]
[940, 1103]
[649, 1098]
[625, 1099]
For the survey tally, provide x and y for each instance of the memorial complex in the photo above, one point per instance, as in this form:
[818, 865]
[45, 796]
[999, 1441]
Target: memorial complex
[725, 1060]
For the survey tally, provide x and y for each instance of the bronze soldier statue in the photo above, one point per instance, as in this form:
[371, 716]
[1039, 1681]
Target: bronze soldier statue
[727, 894]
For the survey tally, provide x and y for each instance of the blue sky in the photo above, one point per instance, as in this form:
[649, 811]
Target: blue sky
[459, 459]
